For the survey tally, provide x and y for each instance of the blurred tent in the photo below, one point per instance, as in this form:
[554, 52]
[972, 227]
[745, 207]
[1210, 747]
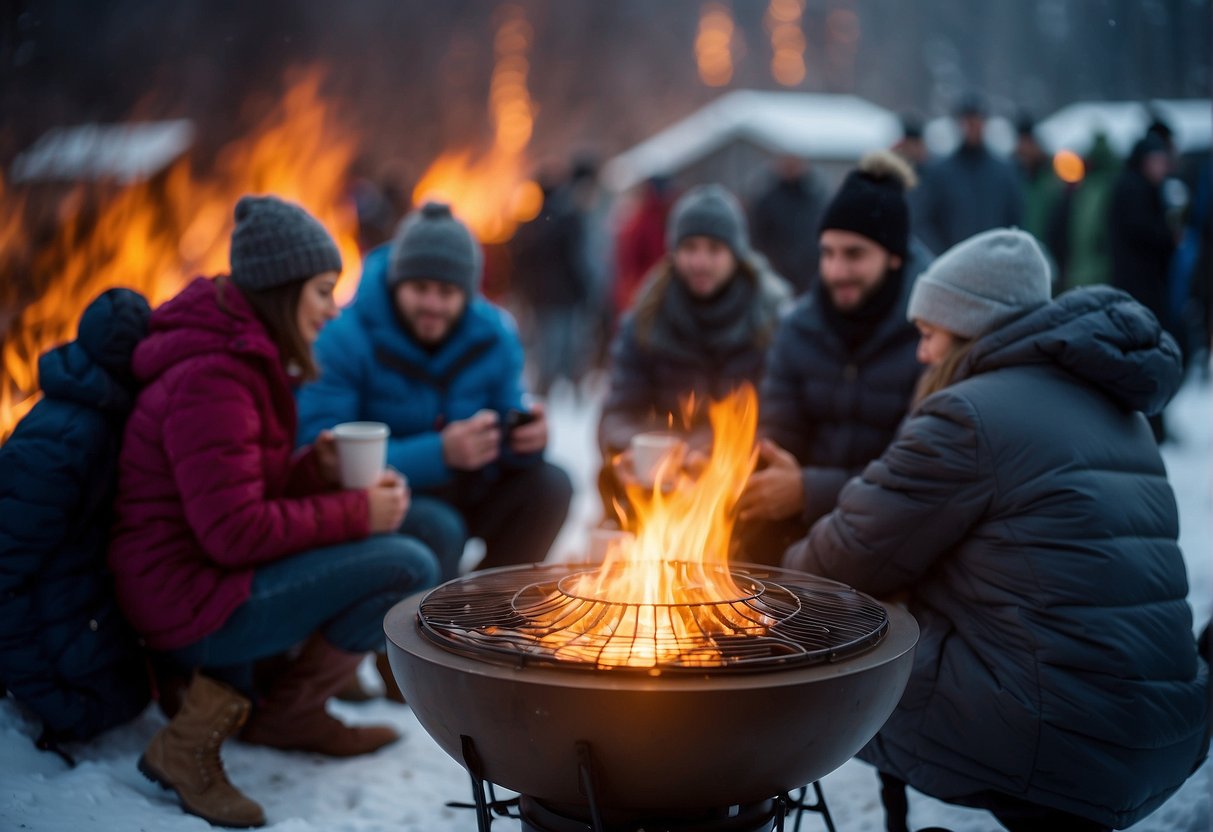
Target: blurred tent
[1124, 122]
[121, 153]
[736, 138]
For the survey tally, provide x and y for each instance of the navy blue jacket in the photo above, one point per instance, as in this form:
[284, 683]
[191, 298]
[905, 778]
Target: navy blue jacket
[65, 651]
[833, 410]
[372, 369]
[1026, 512]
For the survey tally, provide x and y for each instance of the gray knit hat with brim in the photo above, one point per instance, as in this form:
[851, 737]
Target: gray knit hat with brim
[276, 243]
[431, 244]
[709, 211]
[981, 283]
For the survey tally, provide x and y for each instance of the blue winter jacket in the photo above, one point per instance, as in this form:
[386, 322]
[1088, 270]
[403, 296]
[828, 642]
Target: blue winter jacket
[371, 369]
[65, 650]
[1026, 512]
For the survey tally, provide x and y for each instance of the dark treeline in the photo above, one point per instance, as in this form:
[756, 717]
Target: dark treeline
[414, 74]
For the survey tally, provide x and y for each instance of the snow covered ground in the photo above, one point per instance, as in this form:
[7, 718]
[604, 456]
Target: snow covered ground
[405, 787]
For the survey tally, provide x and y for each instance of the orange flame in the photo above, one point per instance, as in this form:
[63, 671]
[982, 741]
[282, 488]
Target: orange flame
[153, 236]
[677, 560]
[492, 194]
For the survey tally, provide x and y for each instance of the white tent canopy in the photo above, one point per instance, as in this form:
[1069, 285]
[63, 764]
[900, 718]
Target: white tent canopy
[811, 126]
[125, 153]
[1124, 122]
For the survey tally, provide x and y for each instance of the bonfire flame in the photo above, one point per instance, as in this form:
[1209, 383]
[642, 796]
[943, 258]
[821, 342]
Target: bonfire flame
[153, 236]
[670, 585]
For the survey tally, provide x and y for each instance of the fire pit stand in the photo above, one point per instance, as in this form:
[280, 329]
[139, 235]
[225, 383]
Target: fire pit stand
[762, 816]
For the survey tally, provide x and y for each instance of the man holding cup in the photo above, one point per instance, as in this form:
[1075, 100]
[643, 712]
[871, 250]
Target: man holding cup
[421, 351]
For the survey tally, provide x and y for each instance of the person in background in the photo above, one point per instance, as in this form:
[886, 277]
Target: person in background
[1087, 260]
[791, 202]
[552, 274]
[969, 191]
[1142, 240]
[701, 325]
[841, 370]
[1043, 191]
[229, 547]
[1023, 514]
[423, 351]
[640, 242]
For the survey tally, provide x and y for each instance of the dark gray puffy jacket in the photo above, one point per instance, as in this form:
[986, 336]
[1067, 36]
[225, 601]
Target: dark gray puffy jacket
[1026, 510]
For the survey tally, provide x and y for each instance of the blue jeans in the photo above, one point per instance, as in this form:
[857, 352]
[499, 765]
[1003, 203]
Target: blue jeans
[341, 592]
[518, 516]
[440, 526]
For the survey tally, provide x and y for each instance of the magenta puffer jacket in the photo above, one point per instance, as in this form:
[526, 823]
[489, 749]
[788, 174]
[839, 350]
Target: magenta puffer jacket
[208, 486]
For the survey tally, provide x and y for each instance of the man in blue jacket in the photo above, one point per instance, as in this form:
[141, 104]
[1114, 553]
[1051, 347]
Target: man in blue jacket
[421, 350]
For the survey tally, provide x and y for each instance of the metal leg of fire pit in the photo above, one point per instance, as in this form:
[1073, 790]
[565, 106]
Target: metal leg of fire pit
[798, 803]
[485, 807]
[585, 768]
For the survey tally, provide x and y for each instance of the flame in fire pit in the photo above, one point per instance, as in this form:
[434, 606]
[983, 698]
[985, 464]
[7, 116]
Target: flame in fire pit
[670, 584]
[153, 236]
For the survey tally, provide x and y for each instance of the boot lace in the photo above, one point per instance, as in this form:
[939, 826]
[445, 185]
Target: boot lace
[210, 766]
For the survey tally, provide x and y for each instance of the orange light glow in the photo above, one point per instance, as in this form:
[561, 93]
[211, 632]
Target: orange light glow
[677, 561]
[154, 236]
[713, 45]
[1069, 166]
[787, 41]
[490, 192]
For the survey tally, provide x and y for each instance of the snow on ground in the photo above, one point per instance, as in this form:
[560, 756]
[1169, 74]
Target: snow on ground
[406, 786]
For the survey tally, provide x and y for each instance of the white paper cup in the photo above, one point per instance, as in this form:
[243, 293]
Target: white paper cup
[648, 451]
[361, 452]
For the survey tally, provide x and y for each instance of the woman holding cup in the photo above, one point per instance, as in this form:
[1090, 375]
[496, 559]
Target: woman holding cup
[228, 546]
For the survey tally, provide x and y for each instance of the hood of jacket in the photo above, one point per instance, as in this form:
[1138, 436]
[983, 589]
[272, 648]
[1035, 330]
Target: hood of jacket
[1097, 334]
[206, 317]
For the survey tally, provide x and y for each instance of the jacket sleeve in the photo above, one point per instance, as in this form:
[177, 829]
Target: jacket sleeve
[336, 396]
[510, 393]
[781, 417]
[419, 457]
[629, 408]
[909, 507]
[212, 438]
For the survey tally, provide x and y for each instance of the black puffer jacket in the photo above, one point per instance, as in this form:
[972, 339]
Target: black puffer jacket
[1026, 510]
[65, 651]
[832, 410]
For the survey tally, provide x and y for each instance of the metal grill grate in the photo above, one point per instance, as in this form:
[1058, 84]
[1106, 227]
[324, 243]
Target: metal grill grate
[521, 616]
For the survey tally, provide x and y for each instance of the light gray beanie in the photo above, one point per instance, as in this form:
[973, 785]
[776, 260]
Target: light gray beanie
[431, 244]
[709, 211]
[981, 283]
[276, 242]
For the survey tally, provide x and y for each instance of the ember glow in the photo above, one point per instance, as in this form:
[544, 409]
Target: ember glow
[154, 236]
[670, 586]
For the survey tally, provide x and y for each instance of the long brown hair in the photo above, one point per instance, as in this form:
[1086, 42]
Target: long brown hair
[278, 310]
[940, 375]
[656, 284]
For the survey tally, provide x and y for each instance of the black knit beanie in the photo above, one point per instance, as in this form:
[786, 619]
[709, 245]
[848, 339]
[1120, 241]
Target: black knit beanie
[277, 242]
[872, 202]
[431, 244]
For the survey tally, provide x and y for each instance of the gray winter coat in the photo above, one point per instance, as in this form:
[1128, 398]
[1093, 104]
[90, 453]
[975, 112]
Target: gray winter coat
[1027, 512]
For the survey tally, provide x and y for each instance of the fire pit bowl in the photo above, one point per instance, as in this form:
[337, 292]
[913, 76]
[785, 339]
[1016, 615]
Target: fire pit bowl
[671, 737]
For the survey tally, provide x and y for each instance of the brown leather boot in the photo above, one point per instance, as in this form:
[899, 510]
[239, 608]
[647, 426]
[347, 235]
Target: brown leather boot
[352, 690]
[391, 690]
[184, 755]
[292, 716]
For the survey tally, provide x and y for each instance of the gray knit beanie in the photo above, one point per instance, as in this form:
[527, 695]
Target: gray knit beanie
[981, 283]
[431, 244]
[709, 211]
[277, 242]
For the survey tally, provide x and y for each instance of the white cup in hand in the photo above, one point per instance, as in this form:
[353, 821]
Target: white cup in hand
[361, 453]
[649, 450]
